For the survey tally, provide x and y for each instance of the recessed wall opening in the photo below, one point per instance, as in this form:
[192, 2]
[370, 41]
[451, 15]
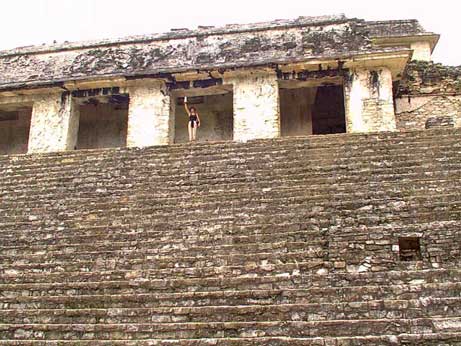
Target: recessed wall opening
[103, 121]
[296, 105]
[215, 108]
[409, 249]
[312, 107]
[14, 128]
[328, 114]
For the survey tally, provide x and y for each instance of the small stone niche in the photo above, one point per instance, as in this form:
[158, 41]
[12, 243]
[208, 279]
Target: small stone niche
[409, 249]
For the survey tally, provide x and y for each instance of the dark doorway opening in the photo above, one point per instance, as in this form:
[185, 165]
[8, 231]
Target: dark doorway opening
[14, 129]
[103, 122]
[328, 114]
[215, 107]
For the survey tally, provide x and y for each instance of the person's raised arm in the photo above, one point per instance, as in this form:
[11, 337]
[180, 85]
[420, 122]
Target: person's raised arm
[185, 106]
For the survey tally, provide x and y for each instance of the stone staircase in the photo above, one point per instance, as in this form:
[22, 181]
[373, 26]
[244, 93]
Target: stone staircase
[290, 241]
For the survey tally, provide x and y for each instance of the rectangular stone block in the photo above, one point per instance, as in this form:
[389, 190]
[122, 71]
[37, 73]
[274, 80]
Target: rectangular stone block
[256, 105]
[54, 124]
[149, 119]
[368, 100]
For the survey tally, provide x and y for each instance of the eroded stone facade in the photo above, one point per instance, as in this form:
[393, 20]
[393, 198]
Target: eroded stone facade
[369, 103]
[253, 65]
[429, 94]
[149, 115]
[54, 124]
[256, 106]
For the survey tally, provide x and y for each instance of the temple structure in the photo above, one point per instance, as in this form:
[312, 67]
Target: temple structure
[289, 77]
[320, 205]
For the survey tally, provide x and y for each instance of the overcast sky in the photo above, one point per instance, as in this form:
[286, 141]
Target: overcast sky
[32, 22]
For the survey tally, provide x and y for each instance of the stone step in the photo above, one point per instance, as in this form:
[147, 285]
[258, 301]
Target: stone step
[324, 162]
[345, 140]
[417, 339]
[138, 260]
[310, 221]
[107, 269]
[369, 310]
[141, 282]
[198, 189]
[393, 195]
[222, 235]
[413, 290]
[294, 187]
[226, 231]
[162, 250]
[363, 214]
[258, 205]
[291, 189]
[331, 328]
[255, 263]
[271, 166]
[237, 157]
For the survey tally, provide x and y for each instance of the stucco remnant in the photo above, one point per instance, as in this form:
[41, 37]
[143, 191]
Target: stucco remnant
[256, 105]
[54, 123]
[149, 120]
[369, 102]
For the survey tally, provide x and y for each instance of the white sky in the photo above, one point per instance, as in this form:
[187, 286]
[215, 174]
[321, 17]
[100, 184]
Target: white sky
[32, 22]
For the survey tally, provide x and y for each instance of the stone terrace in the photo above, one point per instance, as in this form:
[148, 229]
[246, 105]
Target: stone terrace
[294, 241]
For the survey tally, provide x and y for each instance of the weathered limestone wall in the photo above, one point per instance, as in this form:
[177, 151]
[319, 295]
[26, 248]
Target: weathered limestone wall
[256, 105]
[296, 111]
[102, 126]
[421, 51]
[149, 120]
[421, 112]
[428, 96]
[216, 117]
[14, 134]
[54, 123]
[368, 101]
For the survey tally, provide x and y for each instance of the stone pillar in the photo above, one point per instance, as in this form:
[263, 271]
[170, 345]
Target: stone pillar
[368, 100]
[421, 51]
[256, 105]
[149, 119]
[54, 124]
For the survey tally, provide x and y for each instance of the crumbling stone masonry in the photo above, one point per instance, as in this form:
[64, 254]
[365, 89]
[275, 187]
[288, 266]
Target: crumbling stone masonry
[345, 239]
[369, 103]
[429, 95]
[149, 114]
[54, 124]
[256, 105]
[253, 63]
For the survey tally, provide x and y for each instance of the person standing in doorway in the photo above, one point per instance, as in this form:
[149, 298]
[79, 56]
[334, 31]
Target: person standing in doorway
[194, 120]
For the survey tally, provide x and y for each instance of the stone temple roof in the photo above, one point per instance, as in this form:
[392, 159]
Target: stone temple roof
[183, 33]
[392, 28]
[231, 46]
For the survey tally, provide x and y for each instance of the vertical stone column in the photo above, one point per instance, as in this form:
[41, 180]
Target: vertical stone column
[256, 105]
[149, 119]
[54, 124]
[368, 101]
